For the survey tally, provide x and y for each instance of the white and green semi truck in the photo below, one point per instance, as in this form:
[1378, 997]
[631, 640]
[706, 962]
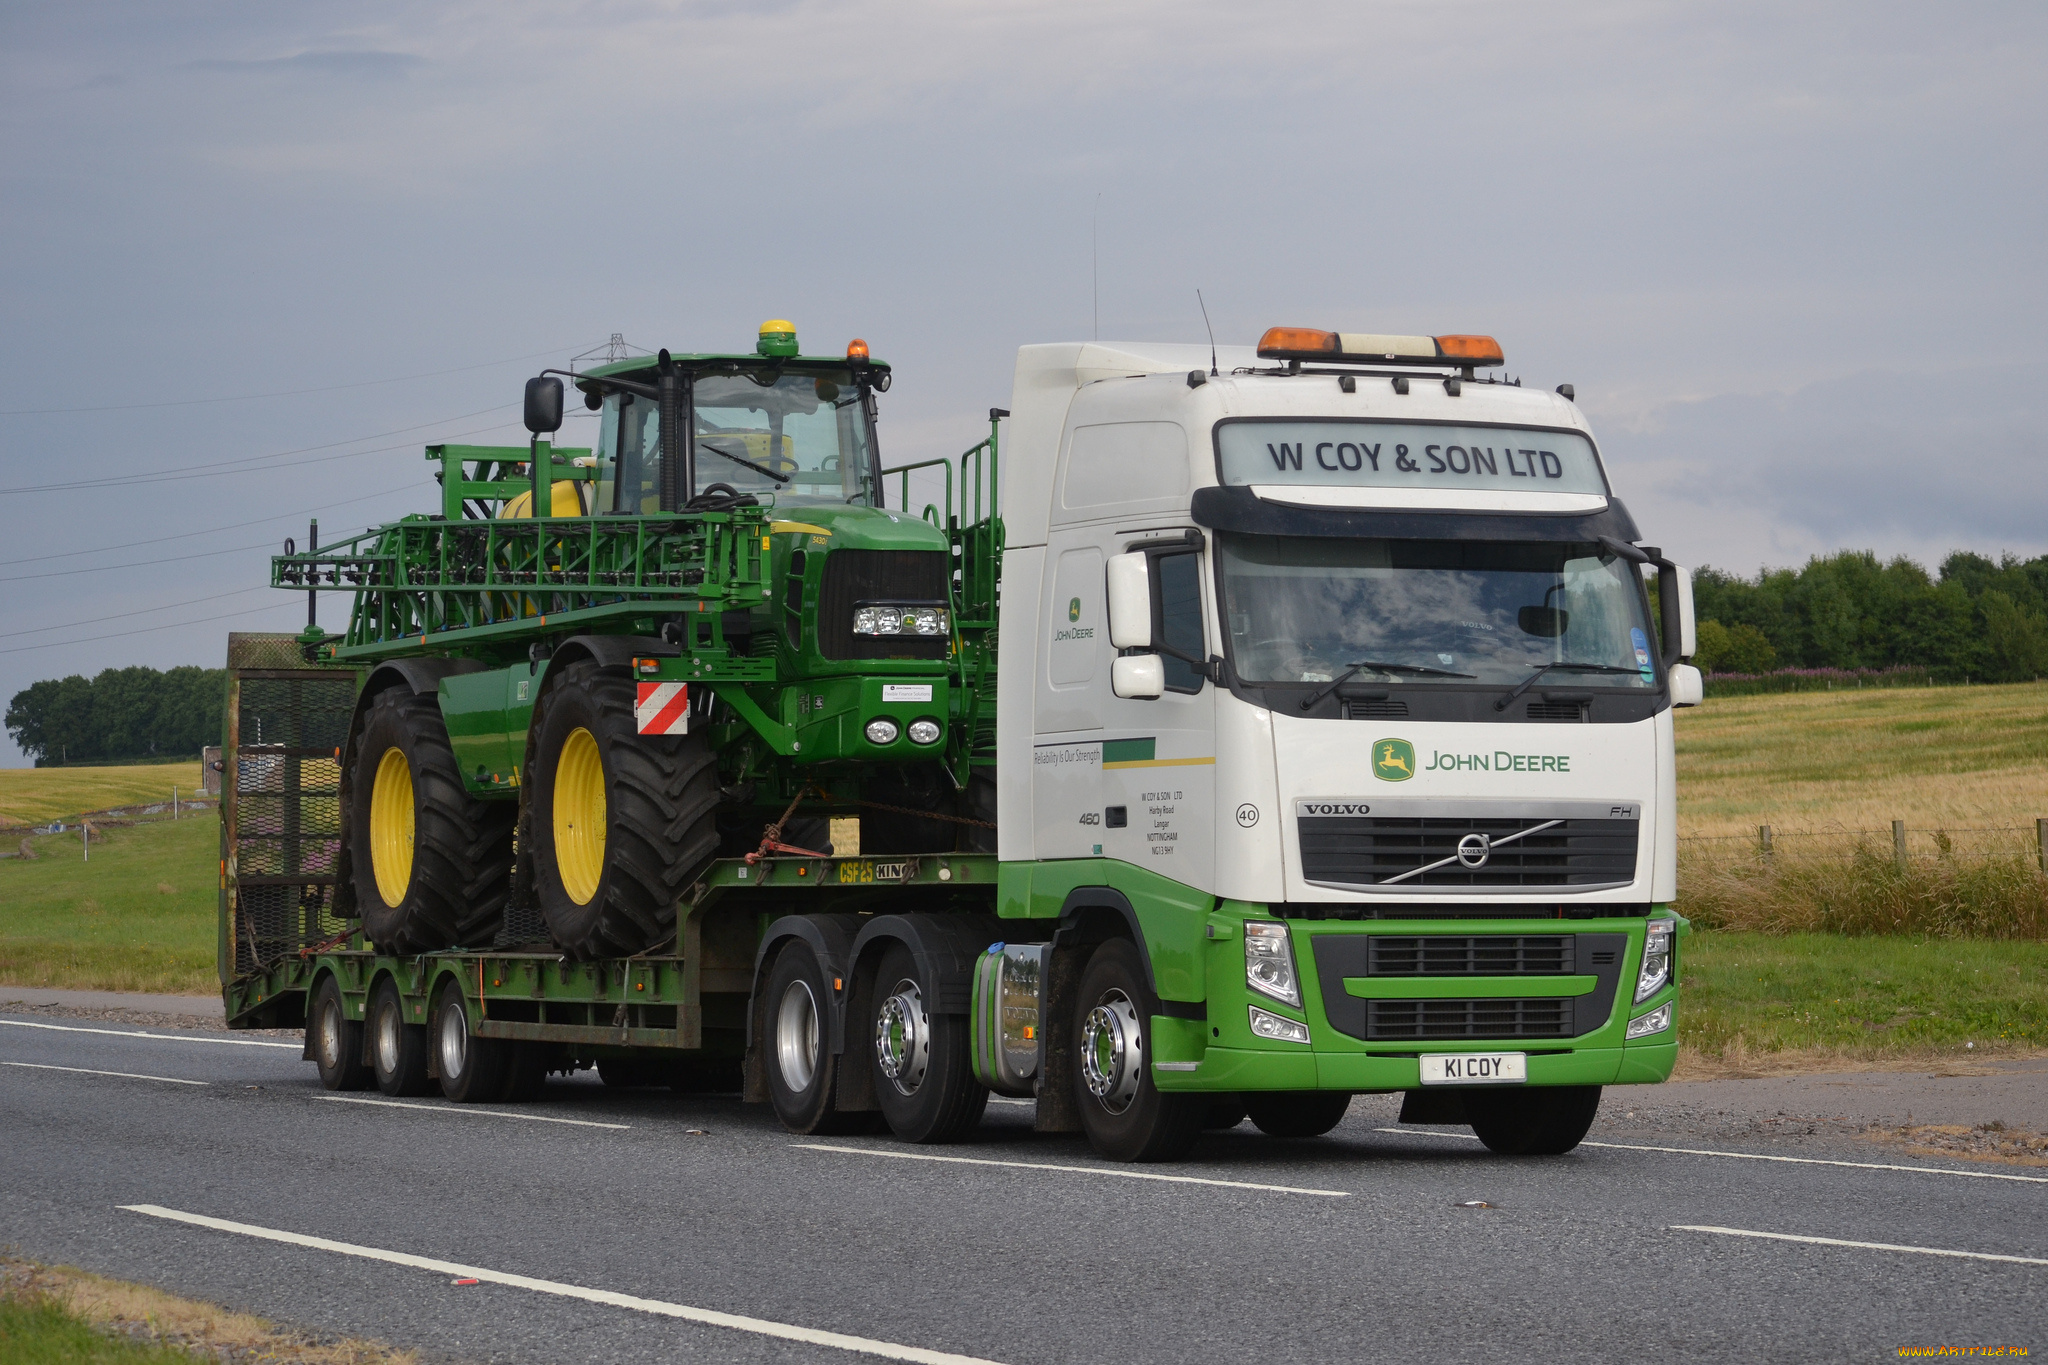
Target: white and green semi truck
[1263, 728]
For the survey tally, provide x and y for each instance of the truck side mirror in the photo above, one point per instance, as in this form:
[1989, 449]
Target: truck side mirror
[1137, 675]
[1674, 599]
[1130, 604]
[1687, 687]
[544, 405]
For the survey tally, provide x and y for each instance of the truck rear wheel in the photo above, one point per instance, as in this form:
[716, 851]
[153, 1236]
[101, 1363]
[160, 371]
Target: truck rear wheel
[336, 1039]
[621, 821]
[1126, 1116]
[924, 1075]
[432, 867]
[1297, 1113]
[802, 1071]
[1546, 1120]
[473, 1070]
[398, 1050]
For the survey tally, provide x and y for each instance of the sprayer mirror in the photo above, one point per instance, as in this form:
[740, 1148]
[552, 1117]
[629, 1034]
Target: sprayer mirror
[544, 405]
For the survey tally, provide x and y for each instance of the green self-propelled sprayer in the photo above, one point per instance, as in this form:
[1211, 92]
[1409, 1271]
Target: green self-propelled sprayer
[716, 639]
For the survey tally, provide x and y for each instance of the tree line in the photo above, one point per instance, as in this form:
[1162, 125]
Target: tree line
[123, 713]
[1973, 619]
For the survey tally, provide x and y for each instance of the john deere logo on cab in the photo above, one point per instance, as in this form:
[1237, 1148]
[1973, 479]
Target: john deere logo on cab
[1393, 760]
[1074, 610]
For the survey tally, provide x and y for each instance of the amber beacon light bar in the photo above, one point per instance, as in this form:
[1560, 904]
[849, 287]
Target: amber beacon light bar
[1309, 343]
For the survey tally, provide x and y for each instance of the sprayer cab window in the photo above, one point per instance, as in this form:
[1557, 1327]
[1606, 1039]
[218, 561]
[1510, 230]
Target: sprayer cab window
[801, 436]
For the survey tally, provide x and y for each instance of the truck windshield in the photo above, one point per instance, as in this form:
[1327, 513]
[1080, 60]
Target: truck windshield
[1304, 610]
[807, 428]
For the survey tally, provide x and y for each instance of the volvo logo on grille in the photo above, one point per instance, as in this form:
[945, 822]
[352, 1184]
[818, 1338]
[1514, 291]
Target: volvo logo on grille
[1474, 850]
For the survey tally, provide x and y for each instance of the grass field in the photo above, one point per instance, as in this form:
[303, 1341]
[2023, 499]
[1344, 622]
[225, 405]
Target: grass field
[1761, 1000]
[1938, 758]
[139, 916]
[36, 796]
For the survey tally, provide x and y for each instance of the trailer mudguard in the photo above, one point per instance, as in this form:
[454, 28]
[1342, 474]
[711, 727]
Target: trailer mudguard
[943, 946]
[831, 938]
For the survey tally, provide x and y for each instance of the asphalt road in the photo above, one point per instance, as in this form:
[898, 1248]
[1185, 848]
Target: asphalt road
[1353, 1247]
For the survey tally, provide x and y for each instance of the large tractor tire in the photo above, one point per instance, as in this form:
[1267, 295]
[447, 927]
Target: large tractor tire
[432, 867]
[620, 821]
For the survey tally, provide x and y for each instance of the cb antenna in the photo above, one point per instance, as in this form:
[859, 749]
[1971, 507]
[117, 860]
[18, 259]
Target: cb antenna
[1212, 334]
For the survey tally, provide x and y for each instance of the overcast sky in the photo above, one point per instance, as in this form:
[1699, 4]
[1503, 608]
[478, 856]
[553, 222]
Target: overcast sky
[1791, 256]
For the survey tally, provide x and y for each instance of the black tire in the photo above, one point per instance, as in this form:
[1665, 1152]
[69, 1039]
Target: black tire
[451, 890]
[1126, 1116]
[1544, 1121]
[335, 1040]
[398, 1050]
[801, 1069]
[1224, 1112]
[473, 1070]
[527, 1072]
[923, 1069]
[660, 801]
[1297, 1113]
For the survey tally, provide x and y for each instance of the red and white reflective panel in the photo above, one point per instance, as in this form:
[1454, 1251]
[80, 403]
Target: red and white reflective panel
[663, 708]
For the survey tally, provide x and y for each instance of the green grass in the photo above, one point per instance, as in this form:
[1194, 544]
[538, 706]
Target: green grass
[36, 796]
[1871, 998]
[39, 1331]
[139, 916]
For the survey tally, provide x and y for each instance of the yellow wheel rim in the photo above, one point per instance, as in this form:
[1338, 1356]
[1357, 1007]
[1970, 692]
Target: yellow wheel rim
[579, 816]
[391, 818]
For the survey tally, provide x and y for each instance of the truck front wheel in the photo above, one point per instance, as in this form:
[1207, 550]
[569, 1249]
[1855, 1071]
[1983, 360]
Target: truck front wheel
[621, 821]
[1297, 1113]
[1126, 1117]
[1545, 1121]
[924, 1074]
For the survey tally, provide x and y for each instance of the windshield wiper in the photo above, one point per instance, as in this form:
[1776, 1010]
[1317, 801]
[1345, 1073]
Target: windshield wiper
[1309, 702]
[758, 469]
[1530, 681]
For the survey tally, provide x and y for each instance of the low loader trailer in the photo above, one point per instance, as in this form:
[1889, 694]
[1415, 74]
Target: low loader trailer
[1215, 742]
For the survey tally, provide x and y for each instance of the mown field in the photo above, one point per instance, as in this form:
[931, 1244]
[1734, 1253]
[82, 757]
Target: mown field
[36, 796]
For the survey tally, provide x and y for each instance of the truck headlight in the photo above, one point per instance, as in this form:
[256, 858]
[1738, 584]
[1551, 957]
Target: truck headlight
[1266, 1024]
[901, 618]
[1656, 1021]
[924, 732]
[1269, 963]
[1656, 968]
[882, 730]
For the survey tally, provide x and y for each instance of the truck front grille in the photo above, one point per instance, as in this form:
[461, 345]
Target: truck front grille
[1474, 955]
[1373, 850]
[1388, 1020]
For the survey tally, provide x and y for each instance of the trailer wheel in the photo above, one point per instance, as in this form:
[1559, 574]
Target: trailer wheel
[337, 1040]
[802, 1070]
[1297, 1113]
[432, 867]
[621, 821]
[398, 1050]
[924, 1074]
[1545, 1121]
[473, 1070]
[1126, 1116]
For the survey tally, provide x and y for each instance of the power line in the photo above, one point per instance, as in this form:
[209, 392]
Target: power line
[140, 611]
[142, 630]
[138, 563]
[233, 466]
[282, 393]
[211, 530]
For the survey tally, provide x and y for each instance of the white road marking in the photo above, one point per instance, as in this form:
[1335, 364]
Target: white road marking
[466, 1110]
[160, 1037]
[1759, 1156]
[1862, 1246]
[1081, 1170]
[811, 1336]
[88, 1071]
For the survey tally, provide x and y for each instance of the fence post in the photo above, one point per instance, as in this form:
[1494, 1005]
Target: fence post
[2041, 838]
[1763, 841]
[1899, 843]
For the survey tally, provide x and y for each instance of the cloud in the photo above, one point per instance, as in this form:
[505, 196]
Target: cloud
[358, 65]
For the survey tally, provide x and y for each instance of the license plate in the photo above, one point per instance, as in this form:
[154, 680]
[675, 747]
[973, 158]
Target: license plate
[1475, 1068]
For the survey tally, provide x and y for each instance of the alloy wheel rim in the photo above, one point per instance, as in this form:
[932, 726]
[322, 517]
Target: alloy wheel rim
[387, 1040]
[391, 826]
[903, 1043]
[1112, 1052]
[454, 1042]
[796, 1037]
[579, 815]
